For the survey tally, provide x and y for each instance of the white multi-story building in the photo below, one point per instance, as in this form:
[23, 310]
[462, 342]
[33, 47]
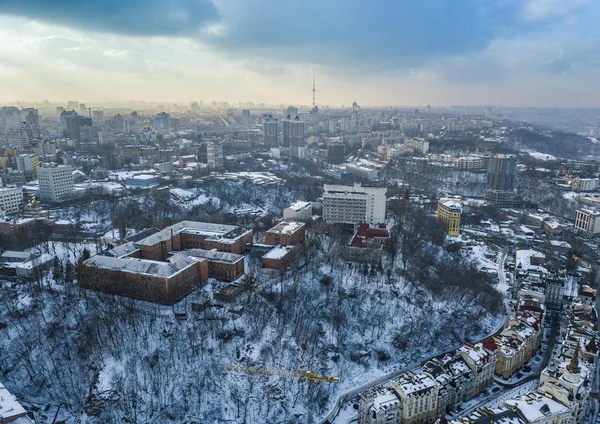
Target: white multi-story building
[56, 182]
[299, 211]
[587, 222]
[353, 204]
[11, 200]
[585, 184]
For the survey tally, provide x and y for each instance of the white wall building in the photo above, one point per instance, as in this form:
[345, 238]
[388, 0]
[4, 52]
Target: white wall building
[587, 222]
[585, 184]
[11, 200]
[354, 204]
[299, 211]
[56, 182]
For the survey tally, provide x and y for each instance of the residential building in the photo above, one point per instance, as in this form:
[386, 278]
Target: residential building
[271, 132]
[587, 222]
[481, 359]
[538, 409]
[419, 397]
[380, 406]
[72, 122]
[472, 163]
[28, 164]
[17, 233]
[418, 144]
[11, 200]
[143, 279]
[516, 345]
[56, 182]
[293, 134]
[336, 153]
[585, 184]
[449, 212]
[502, 180]
[286, 233]
[354, 204]
[246, 117]
[555, 290]
[299, 211]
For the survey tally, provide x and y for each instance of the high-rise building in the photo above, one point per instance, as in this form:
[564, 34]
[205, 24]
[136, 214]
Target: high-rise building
[587, 222]
[25, 138]
[11, 200]
[271, 131]
[336, 153]
[56, 182]
[293, 134]
[291, 111]
[502, 180]
[28, 164]
[72, 122]
[449, 212]
[246, 117]
[211, 154]
[354, 204]
[10, 119]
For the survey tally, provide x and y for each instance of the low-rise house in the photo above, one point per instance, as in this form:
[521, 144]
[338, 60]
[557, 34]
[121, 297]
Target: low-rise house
[287, 233]
[367, 244]
[278, 258]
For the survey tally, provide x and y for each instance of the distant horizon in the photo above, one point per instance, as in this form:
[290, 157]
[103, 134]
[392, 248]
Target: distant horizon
[533, 53]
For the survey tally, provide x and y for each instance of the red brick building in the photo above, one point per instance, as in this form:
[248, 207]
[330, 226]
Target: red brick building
[286, 234]
[278, 258]
[221, 265]
[194, 235]
[158, 282]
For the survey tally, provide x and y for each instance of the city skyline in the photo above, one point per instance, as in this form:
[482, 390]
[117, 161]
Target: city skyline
[533, 53]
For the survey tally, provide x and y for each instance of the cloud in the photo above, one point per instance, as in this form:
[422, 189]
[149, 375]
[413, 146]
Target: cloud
[537, 10]
[132, 17]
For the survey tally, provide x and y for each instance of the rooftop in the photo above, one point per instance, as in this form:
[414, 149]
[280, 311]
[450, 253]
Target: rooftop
[176, 264]
[300, 205]
[278, 252]
[288, 227]
[212, 232]
[10, 409]
[214, 255]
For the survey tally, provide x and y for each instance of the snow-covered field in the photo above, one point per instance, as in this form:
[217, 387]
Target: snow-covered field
[112, 359]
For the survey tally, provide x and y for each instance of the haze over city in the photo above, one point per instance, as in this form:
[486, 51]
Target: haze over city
[515, 53]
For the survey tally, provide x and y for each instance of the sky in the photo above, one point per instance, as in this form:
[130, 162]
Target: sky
[375, 52]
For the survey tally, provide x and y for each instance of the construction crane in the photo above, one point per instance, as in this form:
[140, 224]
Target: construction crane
[307, 375]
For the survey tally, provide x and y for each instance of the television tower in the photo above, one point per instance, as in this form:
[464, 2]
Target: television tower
[314, 91]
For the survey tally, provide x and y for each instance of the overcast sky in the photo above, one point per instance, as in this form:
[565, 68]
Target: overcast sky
[377, 52]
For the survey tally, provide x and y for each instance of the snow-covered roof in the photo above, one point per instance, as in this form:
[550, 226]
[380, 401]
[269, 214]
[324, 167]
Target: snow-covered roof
[214, 255]
[214, 232]
[288, 227]
[523, 258]
[278, 252]
[411, 384]
[300, 205]
[10, 408]
[534, 406]
[37, 261]
[14, 256]
[176, 264]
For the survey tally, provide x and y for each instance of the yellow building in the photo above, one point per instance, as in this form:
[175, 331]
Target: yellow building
[449, 212]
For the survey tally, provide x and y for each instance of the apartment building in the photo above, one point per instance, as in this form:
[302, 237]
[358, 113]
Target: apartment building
[56, 182]
[419, 396]
[11, 200]
[587, 222]
[516, 345]
[354, 204]
[380, 406]
[585, 184]
[449, 212]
